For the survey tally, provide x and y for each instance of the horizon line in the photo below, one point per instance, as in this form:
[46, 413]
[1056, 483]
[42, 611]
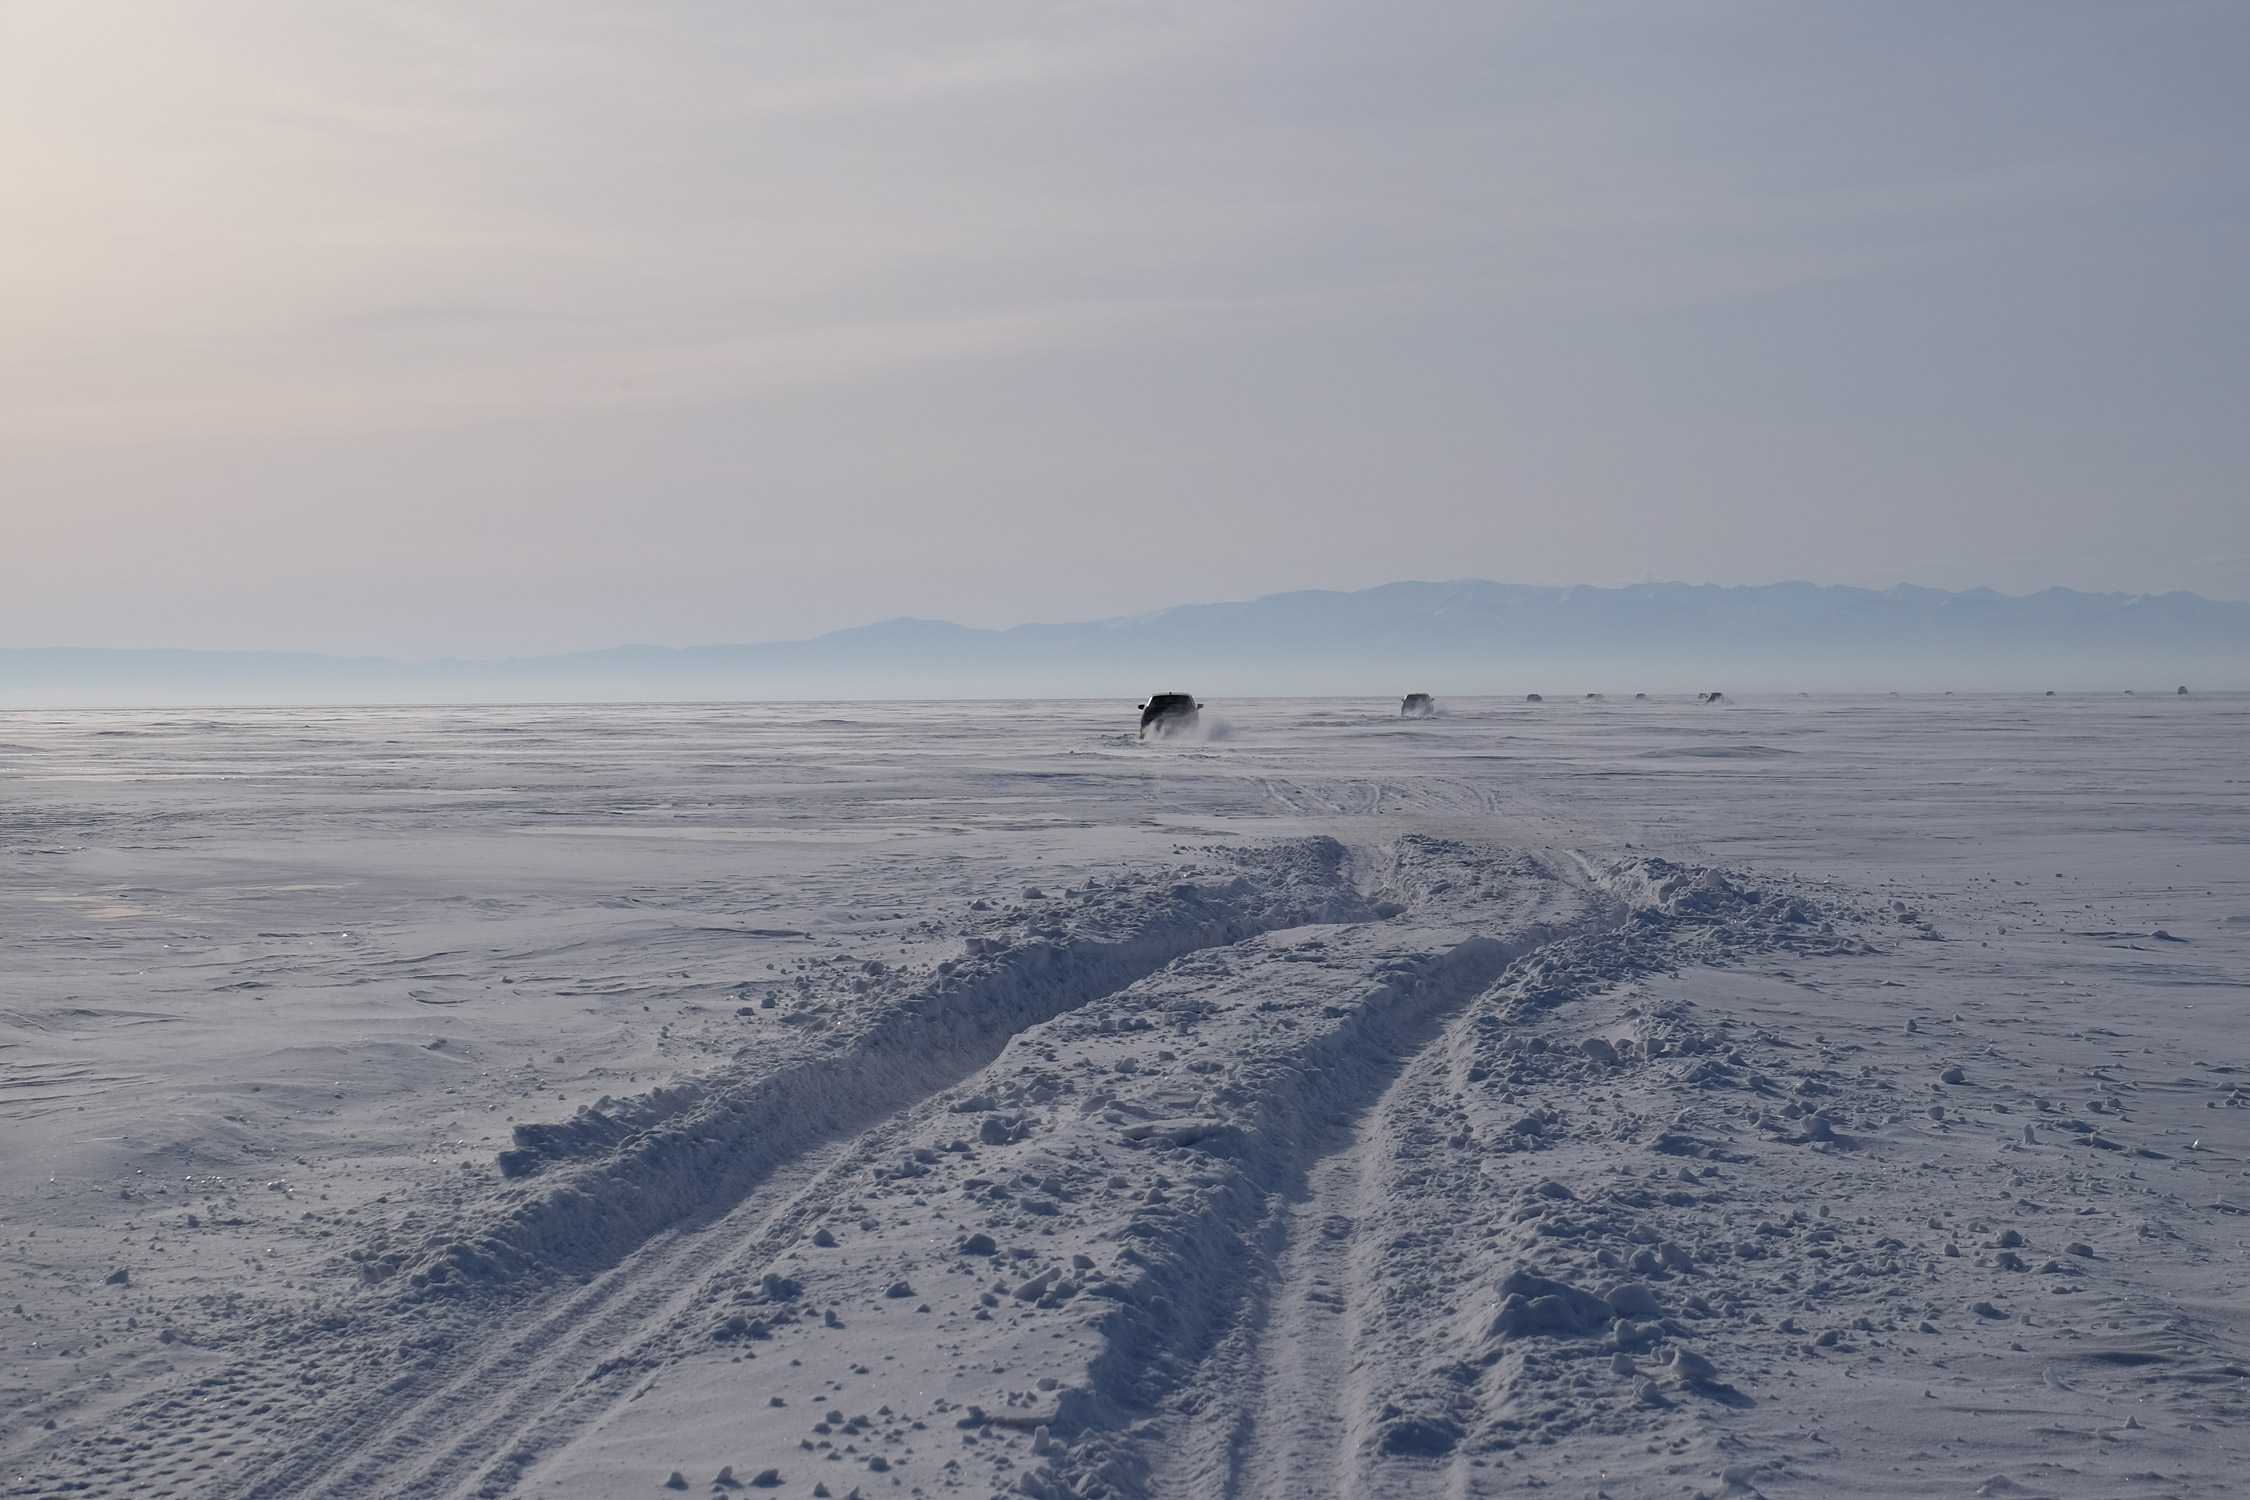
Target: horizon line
[1141, 617]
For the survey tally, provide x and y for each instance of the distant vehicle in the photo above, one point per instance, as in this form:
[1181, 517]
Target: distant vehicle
[1533, 698]
[1168, 714]
[1422, 706]
[1713, 697]
[1596, 698]
[1640, 697]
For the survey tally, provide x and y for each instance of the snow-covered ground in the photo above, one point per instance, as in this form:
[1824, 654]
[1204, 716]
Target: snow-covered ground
[1799, 1096]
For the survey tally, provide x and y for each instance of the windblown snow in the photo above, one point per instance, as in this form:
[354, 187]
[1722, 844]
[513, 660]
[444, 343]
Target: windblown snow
[1625, 1098]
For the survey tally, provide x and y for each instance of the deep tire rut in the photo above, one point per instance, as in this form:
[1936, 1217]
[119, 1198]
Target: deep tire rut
[1300, 1404]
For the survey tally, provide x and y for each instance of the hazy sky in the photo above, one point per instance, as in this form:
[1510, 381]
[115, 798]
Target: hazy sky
[513, 325]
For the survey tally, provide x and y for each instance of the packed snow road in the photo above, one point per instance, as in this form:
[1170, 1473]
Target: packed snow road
[1814, 1097]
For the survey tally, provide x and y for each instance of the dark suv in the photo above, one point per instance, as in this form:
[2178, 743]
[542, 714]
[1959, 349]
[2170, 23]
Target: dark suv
[1168, 714]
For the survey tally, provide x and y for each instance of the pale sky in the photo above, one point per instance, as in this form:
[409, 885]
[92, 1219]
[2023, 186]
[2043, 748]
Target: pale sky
[500, 326]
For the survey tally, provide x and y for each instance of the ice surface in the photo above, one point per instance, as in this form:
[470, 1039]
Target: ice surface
[1799, 1096]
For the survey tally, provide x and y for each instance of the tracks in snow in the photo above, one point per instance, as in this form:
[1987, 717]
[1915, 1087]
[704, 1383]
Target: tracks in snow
[1349, 1311]
[1305, 1026]
[1358, 1367]
[628, 1217]
[556, 1355]
[1315, 1068]
[1294, 1436]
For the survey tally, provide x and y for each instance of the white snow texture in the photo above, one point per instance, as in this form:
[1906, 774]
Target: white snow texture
[1645, 1098]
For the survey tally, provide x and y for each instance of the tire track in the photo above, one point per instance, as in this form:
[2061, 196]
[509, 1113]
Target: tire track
[1293, 1440]
[1355, 1372]
[1340, 1324]
[695, 1189]
[550, 1356]
[1312, 1082]
[549, 1401]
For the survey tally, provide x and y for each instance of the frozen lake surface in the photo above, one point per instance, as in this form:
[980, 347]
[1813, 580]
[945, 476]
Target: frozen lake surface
[1797, 1096]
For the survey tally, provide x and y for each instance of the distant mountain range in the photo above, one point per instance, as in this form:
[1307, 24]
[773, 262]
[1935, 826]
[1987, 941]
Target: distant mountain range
[1464, 637]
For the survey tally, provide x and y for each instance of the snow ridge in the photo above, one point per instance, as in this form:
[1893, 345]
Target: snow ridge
[691, 1152]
